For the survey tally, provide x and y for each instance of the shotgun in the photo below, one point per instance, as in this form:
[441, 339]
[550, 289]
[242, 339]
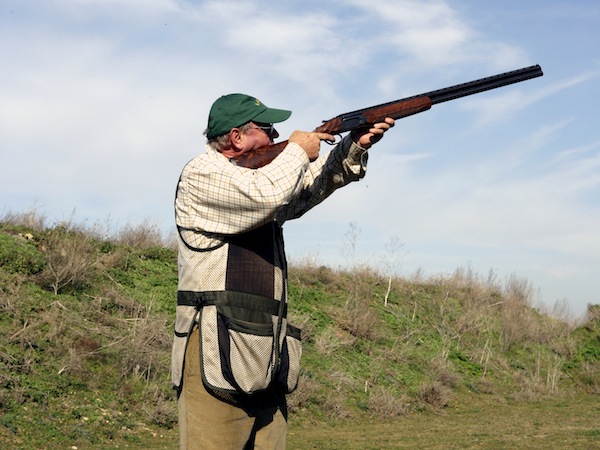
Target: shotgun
[364, 118]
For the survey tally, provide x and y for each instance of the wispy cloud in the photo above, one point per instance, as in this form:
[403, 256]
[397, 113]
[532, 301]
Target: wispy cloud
[577, 151]
[432, 35]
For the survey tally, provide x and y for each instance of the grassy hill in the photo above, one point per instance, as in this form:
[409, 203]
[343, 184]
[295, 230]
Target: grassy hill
[86, 324]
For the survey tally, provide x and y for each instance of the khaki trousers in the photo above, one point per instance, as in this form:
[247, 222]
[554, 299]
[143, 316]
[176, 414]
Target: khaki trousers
[208, 423]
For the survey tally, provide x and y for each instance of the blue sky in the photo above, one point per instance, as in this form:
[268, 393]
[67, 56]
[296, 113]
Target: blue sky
[103, 102]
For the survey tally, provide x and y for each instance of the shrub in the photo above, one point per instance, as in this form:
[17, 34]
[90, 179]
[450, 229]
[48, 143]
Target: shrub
[70, 256]
[19, 255]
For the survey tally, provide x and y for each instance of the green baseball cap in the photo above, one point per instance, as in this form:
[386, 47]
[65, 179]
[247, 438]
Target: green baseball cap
[234, 110]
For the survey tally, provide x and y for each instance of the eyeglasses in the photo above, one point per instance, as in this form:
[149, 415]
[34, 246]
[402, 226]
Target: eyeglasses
[267, 129]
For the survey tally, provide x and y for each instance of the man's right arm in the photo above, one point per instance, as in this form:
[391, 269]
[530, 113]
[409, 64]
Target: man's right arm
[217, 197]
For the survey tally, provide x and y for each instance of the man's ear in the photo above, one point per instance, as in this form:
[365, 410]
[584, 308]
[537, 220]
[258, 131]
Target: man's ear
[236, 138]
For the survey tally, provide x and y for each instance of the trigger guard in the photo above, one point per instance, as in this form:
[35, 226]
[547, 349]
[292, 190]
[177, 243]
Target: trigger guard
[333, 142]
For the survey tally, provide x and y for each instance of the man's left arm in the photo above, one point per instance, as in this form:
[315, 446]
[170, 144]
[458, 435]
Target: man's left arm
[345, 163]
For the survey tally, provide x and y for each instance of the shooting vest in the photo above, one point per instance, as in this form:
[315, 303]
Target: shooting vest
[234, 288]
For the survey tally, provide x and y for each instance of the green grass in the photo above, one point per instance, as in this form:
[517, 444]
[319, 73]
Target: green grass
[455, 362]
[472, 423]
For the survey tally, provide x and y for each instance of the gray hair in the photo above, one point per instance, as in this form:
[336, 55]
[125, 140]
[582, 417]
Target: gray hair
[223, 142]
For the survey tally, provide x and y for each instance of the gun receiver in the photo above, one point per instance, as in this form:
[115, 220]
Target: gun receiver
[396, 110]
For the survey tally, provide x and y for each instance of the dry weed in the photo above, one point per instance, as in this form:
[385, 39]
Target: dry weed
[306, 393]
[435, 394]
[331, 339]
[383, 403]
[530, 388]
[114, 303]
[358, 319]
[305, 323]
[336, 409]
[518, 324]
[343, 381]
[592, 314]
[308, 271]
[485, 386]
[518, 290]
[10, 288]
[443, 373]
[30, 219]
[145, 349]
[589, 377]
[159, 406]
[140, 236]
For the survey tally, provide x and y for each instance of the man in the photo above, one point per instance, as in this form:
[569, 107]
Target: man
[235, 357]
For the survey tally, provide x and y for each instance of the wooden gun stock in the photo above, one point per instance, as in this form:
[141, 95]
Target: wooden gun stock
[263, 156]
[397, 109]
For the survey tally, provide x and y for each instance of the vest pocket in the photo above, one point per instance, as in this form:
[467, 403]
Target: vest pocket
[242, 356]
[290, 359]
[247, 353]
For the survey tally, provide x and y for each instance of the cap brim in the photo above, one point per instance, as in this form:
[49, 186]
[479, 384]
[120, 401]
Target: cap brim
[271, 115]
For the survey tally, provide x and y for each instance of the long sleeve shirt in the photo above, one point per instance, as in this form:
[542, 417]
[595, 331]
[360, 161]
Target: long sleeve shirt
[229, 222]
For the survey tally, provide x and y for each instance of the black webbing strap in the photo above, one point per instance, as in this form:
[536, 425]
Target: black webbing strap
[232, 299]
[195, 299]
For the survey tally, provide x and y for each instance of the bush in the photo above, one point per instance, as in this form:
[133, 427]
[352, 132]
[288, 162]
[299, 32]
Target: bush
[70, 256]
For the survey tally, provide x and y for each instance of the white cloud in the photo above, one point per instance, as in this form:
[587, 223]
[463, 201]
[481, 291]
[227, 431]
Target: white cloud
[431, 34]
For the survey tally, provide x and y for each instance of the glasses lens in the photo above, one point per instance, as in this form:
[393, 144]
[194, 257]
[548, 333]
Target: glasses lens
[267, 128]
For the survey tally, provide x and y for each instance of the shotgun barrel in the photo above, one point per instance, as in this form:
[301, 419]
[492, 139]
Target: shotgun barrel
[354, 119]
[396, 109]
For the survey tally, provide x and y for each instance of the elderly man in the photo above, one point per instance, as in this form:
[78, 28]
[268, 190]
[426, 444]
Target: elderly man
[235, 357]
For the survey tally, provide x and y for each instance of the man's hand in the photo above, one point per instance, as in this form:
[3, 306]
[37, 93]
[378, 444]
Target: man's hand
[367, 137]
[310, 142]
